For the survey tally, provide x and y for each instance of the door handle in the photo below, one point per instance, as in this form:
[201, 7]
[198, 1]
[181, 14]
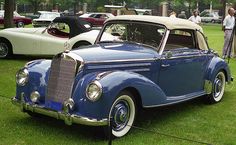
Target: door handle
[165, 65]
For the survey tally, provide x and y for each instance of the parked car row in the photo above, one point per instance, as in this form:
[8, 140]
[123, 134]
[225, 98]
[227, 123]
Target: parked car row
[136, 62]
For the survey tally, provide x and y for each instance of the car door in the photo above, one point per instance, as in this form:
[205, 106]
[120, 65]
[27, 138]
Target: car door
[182, 65]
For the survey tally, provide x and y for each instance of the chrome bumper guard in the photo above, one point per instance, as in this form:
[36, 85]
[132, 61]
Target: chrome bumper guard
[68, 118]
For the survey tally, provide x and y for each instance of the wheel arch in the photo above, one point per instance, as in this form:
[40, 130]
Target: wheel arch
[80, 43]
[136, 95]
[8, 43]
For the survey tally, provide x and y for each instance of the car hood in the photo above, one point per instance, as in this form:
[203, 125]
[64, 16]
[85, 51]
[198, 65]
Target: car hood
[24, 30]
[115, 52]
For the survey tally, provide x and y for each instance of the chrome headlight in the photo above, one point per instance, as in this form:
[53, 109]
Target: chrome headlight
[22, 77]
[94, 91]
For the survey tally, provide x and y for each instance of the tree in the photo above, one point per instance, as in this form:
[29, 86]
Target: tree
[35, 4]
[8, 15]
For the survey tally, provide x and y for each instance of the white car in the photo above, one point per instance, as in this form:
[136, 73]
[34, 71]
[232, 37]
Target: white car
[45, 18]
[210, 17]
[46, 41]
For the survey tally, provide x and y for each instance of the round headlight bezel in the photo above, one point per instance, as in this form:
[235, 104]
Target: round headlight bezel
[95, 95]
[22, 77]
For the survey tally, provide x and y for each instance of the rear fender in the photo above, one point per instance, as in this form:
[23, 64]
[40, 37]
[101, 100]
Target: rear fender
[217, 64]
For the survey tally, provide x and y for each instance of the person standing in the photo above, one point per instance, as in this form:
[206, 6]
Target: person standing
[195, 17]
[228, 25]
[173, 14]
[182, 15]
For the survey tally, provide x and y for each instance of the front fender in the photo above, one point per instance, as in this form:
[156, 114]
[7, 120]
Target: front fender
[112, 84]
[38, 78]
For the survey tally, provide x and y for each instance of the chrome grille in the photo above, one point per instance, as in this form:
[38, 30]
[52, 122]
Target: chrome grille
[61, 78]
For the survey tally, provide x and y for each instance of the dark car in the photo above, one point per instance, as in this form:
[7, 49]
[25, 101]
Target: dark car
[19, 20]
[96, 19]
[137, 62]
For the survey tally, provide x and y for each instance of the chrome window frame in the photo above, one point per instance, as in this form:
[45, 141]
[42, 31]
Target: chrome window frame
[129, 22]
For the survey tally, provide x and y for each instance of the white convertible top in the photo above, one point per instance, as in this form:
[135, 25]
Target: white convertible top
[170, 23]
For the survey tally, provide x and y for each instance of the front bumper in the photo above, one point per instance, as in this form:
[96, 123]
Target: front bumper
[68, 118]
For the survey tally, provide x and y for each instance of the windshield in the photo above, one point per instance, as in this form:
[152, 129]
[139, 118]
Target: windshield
[135, 32]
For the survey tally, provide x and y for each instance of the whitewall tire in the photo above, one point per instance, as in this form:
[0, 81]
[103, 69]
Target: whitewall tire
[218, 88]
[123, 113]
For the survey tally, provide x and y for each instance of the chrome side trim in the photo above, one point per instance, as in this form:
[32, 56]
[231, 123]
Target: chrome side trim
[68, 118]
[177, 57]
[120, 65]
[208, 87]
[122, 60]
[175, 102]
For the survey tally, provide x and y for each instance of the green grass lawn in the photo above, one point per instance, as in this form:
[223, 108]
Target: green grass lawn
[215, 124]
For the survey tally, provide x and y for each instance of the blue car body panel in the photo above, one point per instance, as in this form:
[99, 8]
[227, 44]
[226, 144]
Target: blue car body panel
[157, 80]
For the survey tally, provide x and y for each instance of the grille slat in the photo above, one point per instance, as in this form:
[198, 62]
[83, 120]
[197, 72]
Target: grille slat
[61, 79]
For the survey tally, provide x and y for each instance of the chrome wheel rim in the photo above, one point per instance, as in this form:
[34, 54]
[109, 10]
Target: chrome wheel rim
[20, 25]
[3, 50]
[120, 113]
[219, 86]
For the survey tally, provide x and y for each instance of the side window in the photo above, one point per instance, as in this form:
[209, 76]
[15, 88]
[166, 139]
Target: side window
[201, 41]
[180, 39]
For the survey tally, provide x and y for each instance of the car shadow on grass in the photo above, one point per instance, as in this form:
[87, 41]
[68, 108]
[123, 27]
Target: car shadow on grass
[28, 57]
[44, 125]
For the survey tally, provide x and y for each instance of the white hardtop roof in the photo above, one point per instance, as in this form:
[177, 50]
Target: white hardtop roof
[48, 12]
[170, 23]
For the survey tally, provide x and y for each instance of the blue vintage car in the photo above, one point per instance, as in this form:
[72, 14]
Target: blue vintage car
[137, 62]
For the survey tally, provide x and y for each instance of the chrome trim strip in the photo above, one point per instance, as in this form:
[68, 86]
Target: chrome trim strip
[122, 60]
[164, 42]
[119, 65]
[68, 118]
[176, 57]
[166, 104]
[138, 70]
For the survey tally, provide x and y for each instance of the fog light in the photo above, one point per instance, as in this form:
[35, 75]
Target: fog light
[34, 96]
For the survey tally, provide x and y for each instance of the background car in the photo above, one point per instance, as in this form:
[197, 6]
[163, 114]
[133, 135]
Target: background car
[64, 33]
[137, 62]
[45, 18]
[212, 17]
[19, 21]
[96, 19]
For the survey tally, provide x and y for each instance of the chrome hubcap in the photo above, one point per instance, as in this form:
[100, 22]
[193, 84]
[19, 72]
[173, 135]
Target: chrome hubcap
[218, 86]
[120, 115]
[3, 50]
